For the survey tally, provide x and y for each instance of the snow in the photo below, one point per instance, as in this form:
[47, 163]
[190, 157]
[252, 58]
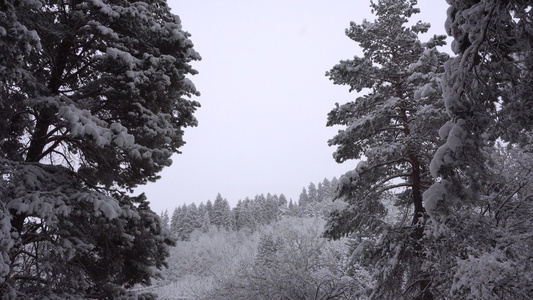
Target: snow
[177, 35]
[445, 129]
[491, 269]
[81, 122]
[442, 157]
[107, 31]
[102, 204]
[350, 176]
[119, 54]
[433, 196]
[41, 208]
[33, 3]
[6, 242]
[110, 210]
[18, 206]
[105, 8]
[116, 127]
[361, 166]
[456, 135]
[425, 91]
[135, 153]
[124, 140]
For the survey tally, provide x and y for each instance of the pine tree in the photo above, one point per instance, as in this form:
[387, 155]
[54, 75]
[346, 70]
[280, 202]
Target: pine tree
[209, 208]
[165, 219]
[303, 200]
[238, 213]
[175, 219]
[249, 214]
[283, 204]
[312, 193]
[271, 210]
[326, 191]
[291, 208]
[90, 108]
[185, 224]
[394, 127]
[259, 213]
[477, 208]
[195, 215]
[267, 249]
[202, 209]
[221, 217]
[206, 222]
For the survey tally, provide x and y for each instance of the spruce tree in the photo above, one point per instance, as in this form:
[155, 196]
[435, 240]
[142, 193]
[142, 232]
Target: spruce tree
[222, 217]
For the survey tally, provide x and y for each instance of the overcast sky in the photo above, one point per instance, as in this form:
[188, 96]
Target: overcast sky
[265, 96]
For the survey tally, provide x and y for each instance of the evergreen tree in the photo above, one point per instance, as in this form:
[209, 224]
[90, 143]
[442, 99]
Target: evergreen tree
[202, 209]
[477, 208]
[221, 217]
[204, 218]
[334, 185]
[165, 219]
[206, 222]
[291, 208]
[174, 220]
[271, 210]
[94, 100]
[303, 200]
[238, 213]
[394, 126]
[209, 208]
[267, 249]
[326, 191]
[248, 214]
[320, 192]
[259, 212]
[195, 216]
[312, 193]
[282, 204]
[185, 225]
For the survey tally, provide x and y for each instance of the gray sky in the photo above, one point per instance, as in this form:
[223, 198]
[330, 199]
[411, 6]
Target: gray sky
[265, 96]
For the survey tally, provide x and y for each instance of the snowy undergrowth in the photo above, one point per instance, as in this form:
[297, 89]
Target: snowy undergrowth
[196, 266]
[219, 264]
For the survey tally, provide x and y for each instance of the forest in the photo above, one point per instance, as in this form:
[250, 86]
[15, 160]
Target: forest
[263, 247]
[267, 248]
[94, 100]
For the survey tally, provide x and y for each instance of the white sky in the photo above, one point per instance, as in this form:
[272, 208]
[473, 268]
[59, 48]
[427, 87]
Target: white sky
[265, 96]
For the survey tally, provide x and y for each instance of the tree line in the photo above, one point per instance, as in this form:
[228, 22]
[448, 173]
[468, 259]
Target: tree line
[249, 214]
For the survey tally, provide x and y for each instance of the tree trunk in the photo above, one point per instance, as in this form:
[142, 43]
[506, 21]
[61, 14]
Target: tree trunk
[418, 226]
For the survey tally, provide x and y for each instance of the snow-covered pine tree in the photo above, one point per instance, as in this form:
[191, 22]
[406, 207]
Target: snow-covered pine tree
[209, 208]
[282, 204]
[165, 219]
[480, 234]
[174, 220]
[94, 99]
[271, 209]
[222, 217]
[393, 128]
[312, 193]
[185, 225]
[195, 215]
